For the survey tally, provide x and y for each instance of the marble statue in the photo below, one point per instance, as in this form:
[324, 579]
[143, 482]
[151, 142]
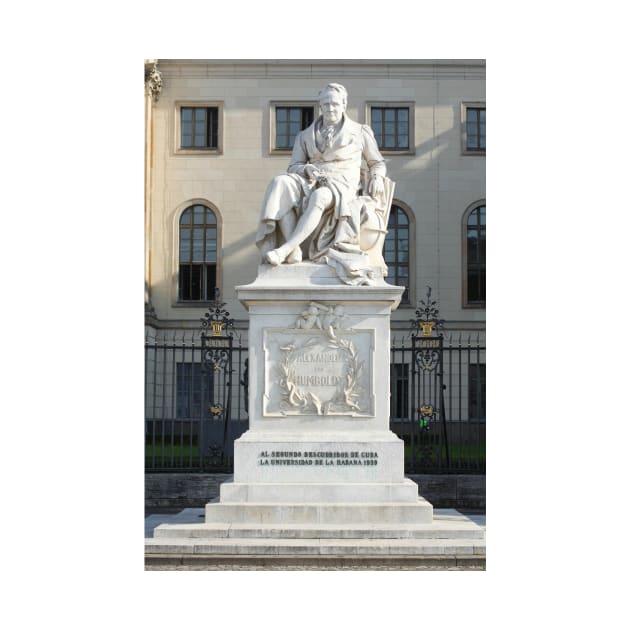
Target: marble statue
[333, 203]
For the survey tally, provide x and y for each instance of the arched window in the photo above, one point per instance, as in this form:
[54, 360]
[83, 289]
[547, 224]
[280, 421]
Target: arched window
[197, 254]
[475, 255]
[396, 250]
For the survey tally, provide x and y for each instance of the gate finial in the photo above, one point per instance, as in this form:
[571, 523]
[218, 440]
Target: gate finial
[427, 319]
[217, 319]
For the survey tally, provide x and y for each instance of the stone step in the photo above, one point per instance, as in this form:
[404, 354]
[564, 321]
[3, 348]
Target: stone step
[406, 513]
[405, 491]
[439, 531]
[327, 547]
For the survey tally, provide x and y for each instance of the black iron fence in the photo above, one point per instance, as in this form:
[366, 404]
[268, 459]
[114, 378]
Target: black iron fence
[438, 402]
[196, 393]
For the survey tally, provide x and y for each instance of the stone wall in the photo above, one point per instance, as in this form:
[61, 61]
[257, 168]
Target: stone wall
[181, 490]
[453, 491]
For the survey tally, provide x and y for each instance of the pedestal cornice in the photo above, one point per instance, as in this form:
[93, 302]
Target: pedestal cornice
[295, 283]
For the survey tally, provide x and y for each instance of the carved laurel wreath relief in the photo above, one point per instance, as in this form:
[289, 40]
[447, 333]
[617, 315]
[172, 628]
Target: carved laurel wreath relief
[317, 367]
[347, 393]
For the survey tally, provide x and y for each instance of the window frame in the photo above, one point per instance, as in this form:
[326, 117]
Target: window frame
[465, 106]
[465, 302]
[175, 300]
[411, 107]
[273, 150]
[179, 150]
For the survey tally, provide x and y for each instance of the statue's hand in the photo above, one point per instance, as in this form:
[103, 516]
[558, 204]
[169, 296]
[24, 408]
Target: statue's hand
[311, 172]
[376, 186]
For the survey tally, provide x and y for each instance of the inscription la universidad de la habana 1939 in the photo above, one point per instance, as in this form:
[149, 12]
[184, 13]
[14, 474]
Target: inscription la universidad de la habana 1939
[318, 458]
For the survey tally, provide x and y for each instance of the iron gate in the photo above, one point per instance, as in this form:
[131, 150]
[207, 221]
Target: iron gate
[190, 398]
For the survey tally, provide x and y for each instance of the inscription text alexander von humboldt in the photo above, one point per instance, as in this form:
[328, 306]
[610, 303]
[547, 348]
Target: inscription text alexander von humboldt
[315, 373]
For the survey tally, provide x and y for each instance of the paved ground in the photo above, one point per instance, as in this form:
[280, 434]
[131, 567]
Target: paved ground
[195, 515]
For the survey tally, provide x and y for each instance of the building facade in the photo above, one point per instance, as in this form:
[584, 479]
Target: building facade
[217, 132]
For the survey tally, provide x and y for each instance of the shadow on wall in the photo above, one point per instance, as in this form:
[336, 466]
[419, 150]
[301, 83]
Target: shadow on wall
[246, 242]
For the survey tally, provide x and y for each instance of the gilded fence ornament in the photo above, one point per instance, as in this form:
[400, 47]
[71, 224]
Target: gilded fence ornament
[217, 319]
[427, 317]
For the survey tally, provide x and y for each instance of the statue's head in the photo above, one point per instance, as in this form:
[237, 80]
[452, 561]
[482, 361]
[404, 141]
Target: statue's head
[333, 100]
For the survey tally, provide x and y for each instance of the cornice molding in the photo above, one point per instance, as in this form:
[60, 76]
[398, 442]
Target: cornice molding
[325, 68]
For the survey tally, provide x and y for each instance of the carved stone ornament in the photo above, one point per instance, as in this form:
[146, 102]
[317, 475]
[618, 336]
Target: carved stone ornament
[153, 82]
[318, 372]
[318, 316]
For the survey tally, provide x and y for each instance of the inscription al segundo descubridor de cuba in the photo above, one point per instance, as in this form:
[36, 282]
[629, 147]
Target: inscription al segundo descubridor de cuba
[318, 458]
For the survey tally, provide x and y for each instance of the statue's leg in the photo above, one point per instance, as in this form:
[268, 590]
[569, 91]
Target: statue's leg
[288, 223]
[319, 201]
[283, 194]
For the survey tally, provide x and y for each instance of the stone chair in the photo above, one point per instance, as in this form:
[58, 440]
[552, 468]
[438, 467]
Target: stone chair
[374, 218]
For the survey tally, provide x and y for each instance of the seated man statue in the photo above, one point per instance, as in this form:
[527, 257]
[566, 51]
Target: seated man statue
[316, 209]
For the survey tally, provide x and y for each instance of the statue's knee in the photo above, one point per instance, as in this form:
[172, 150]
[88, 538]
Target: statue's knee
[281, 181]
[322, 197]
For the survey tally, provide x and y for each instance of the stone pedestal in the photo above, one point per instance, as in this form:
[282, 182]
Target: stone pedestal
[319, 450]
[318, 477]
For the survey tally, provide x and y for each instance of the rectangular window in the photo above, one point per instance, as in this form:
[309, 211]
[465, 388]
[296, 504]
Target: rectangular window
[287, 120]
[198, 127]
[188, 393]
[197, 282]
[392, 124]
[399, 392]
[474, 128]
[391, 127]
[477, 391]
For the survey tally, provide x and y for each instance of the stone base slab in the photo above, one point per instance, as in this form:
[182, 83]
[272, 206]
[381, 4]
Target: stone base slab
[295, 562]
[420, 511]
[324, 546]
[452, 531]
[450, 541]
[407, 491]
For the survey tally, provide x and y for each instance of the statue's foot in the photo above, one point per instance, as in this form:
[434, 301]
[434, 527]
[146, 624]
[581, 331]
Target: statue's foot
[295, 256]
[274, 258]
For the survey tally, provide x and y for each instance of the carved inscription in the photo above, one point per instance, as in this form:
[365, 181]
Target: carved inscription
[318, 458]
[311, 372]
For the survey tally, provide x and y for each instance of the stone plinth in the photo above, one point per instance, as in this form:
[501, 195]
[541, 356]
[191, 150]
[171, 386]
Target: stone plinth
[319, 450]
[318, 477]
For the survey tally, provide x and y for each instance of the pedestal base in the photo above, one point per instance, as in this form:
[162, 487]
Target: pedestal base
[451, 541]
[311, 514]
[350, 478]
[405, 492]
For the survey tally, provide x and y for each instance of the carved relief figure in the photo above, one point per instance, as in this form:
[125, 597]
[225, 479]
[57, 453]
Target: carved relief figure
[326, 318]
[309, 318]
[321, 210]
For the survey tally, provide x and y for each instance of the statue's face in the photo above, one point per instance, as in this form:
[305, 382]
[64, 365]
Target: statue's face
[332, 106]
